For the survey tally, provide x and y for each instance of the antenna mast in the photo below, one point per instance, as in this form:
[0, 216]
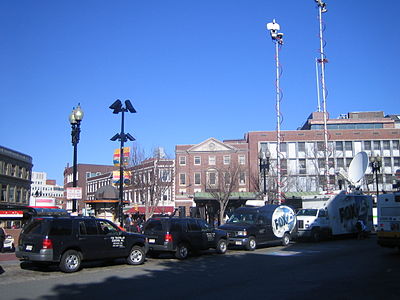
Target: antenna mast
[322, 60]
[277, 37]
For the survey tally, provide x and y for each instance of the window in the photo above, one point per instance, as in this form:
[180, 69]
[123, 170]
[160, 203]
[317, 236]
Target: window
[182, 160]
[242, 160]
[197, 160]
[227, 159]
[284, 166]
[331, 163]
[367, 145]
[395, 145]
[197, 178]
[212, 178]
[377, 145]
[302, 166]
[339, 146]
[154, 225]
[193, 225]
[348, 146]
[165, 175]
[320, 146]
[227, 178]
[242, 178]
[396, 161]
[61, 227]
[182, 179]
[386, 145]
[340, 163]
[211, 160]
[301, 146]
[387, 161]
[283, 147]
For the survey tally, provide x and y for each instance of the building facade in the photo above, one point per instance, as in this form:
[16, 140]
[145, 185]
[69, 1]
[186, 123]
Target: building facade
[84, 172]
[15, 177]
[46, 192]
[151, 184]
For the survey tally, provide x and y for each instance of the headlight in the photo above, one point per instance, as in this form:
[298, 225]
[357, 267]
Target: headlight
[242, 233]
[307, 225]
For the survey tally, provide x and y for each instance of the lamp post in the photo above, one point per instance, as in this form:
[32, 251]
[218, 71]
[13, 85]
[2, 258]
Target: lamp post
[264, 167]
[75, 119]
[117, 107]
[376, 164]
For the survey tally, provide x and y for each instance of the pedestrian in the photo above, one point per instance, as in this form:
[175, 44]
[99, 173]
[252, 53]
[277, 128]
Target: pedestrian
[2, 237]
[128, 222]
[361, 229]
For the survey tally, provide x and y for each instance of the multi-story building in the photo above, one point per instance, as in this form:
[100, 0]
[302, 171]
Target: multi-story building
[152, 184]
[302, 155]
[45, 192]
[84, 172]
[302, 151]
[15, 177]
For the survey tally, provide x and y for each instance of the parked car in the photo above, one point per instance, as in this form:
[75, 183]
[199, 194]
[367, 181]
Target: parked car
[70, 240]
[182, 235]
[9, 244]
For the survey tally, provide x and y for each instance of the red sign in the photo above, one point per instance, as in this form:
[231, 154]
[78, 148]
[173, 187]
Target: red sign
[11, 214]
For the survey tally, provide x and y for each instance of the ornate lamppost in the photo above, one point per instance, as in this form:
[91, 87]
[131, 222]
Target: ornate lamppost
[376, 164]
[75, 119]
[264, 168]
[117, 107]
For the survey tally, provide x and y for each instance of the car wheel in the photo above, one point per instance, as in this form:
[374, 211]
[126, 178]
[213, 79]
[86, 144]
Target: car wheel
[315, 234]
[70, 261]
[136, 256]
[285, 239]
[182, 251]
[222, 246]
[251, 244]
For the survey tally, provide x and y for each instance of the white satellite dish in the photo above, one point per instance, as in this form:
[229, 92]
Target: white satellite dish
[357, 167]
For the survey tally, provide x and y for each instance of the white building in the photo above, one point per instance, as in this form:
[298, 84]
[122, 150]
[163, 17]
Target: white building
[44, 192]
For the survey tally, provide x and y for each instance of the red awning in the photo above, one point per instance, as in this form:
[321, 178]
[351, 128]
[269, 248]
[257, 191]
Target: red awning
[158, 210]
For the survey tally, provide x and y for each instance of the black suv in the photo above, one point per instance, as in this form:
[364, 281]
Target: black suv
[181, 235]
[70, 240]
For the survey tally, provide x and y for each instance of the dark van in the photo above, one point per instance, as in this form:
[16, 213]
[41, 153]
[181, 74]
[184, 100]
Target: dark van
[250, 226]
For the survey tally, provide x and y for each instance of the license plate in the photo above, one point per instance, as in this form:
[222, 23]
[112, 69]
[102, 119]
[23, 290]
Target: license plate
[152, 241]
[238, 242]
[28, 247]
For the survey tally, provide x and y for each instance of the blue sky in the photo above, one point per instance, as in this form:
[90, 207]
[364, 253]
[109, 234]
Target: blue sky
[192, 69]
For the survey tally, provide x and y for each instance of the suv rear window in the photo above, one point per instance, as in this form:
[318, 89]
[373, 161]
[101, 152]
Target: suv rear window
[36, 227]
[154, 225]
[61, 227]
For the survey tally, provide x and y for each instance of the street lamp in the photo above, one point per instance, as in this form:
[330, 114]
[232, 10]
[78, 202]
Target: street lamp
[376, 164]
[117, 107]
[264, 167]
[75, 119]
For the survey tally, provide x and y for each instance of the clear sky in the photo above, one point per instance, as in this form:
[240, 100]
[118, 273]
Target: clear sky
[192, 69]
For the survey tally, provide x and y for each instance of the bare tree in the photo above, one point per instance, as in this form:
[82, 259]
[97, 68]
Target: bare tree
[221, 182]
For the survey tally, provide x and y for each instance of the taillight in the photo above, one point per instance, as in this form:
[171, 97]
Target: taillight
[47, 244]
[168, 238]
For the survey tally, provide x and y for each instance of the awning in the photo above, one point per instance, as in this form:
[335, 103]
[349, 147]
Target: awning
[158, 210]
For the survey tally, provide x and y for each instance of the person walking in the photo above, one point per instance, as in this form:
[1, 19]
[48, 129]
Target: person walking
[2, 237]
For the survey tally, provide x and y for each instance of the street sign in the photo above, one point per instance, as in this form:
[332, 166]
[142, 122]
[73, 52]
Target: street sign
[74, 193]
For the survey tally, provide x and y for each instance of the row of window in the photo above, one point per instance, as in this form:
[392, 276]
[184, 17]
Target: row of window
[212, 160]
[349, 126]
[342, 145]
[14, 170]
[13, 194]
[212, 178]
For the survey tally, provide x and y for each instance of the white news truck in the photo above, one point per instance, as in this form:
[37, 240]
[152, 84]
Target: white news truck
[388, 231]
[336, 214]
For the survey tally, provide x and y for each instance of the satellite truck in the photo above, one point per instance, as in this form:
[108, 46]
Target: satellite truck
[338, 213]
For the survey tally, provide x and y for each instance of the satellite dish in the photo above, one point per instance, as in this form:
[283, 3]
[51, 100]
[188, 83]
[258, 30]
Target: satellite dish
[357, 167]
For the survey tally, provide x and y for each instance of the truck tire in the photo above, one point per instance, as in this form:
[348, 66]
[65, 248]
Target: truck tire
[182, 251]
[70, 261]
[316, 235]
[285, 239]
[136, 256]
[251, 244]
[222, 246]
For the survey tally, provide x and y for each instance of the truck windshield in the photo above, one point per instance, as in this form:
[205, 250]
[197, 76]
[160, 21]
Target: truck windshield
[242, 217]
[308, 212]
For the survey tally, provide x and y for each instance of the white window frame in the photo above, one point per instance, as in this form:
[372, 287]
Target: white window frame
[199, 177]
[227, 159]
[199, 160]
[182, 160]
[212, 160]
[242, 160]
[184, 179]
